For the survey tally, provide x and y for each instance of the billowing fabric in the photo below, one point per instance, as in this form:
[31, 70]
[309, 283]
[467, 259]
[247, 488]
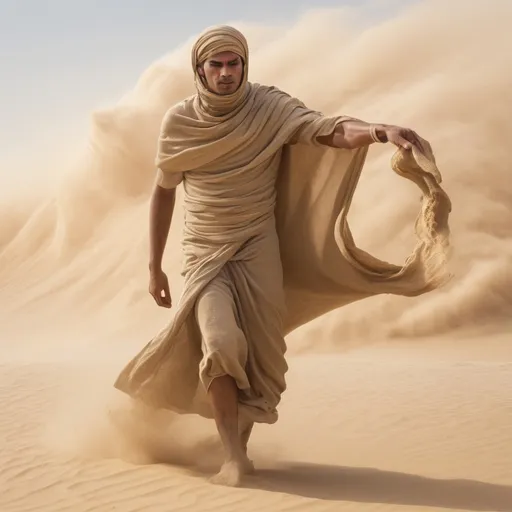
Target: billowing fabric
[266, 242]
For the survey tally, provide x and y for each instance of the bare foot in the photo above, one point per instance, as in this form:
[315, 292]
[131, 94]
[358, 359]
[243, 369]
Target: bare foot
[230, 474]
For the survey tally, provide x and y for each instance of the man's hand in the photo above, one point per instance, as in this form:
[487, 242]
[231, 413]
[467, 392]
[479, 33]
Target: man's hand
[401, 137]
[354, 134]
[159, 288]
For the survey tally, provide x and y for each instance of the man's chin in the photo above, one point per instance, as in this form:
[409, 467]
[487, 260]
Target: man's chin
[226, 89]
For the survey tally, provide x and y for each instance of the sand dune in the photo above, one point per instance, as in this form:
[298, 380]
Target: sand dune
[393, 404]
[422, 435]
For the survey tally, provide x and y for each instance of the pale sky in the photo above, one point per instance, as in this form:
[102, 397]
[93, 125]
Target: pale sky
[60, 59]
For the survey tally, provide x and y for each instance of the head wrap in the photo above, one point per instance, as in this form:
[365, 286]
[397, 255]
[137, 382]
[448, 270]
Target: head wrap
[210, 42]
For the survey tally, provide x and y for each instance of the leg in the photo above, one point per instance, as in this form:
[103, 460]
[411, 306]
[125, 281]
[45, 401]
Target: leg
[223, 373]
[223, 394]
[245, 435]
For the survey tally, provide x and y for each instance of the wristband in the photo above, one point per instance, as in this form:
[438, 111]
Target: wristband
[373, 134]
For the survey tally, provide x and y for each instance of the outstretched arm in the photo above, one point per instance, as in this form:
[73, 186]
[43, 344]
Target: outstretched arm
[354, 134]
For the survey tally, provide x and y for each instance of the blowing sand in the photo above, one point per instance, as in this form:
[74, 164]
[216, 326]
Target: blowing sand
[392, 404]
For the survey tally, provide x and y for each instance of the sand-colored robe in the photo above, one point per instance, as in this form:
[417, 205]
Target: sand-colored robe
[255, 180]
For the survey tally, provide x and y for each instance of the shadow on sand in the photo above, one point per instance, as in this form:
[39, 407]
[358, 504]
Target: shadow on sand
[358, 484]
[367, 485]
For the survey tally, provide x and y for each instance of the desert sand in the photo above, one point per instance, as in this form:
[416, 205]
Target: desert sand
[392, 404]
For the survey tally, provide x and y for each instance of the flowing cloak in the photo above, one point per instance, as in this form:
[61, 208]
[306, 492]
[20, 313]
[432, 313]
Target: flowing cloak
[260, 167]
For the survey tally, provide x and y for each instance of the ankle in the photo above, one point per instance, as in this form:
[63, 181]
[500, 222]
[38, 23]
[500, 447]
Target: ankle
[236, 455]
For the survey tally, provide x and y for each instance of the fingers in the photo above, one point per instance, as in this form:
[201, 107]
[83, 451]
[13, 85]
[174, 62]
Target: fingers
[403, 143]
[157, 296]
[162, 296]
[163, 299]
[159, 289]
[406, 139]
[166, 299]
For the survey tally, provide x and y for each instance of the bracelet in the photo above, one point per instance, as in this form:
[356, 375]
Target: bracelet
[373, 134]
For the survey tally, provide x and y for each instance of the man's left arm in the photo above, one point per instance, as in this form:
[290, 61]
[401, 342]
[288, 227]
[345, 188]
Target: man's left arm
[353, 134]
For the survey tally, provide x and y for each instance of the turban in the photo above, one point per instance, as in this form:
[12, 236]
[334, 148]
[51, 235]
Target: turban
[210, 42]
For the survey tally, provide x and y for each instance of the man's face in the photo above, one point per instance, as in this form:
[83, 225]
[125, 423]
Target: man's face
[223, 72]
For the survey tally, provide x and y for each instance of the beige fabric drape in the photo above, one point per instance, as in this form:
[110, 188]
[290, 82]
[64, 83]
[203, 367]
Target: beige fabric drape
[266, 224]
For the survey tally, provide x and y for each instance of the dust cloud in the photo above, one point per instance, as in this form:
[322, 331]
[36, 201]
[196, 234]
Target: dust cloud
[73, 264]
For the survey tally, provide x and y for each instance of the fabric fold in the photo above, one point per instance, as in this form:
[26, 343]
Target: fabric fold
[266, 209]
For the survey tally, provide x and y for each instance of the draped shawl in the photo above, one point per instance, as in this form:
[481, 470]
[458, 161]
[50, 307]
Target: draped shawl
[222, 148]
